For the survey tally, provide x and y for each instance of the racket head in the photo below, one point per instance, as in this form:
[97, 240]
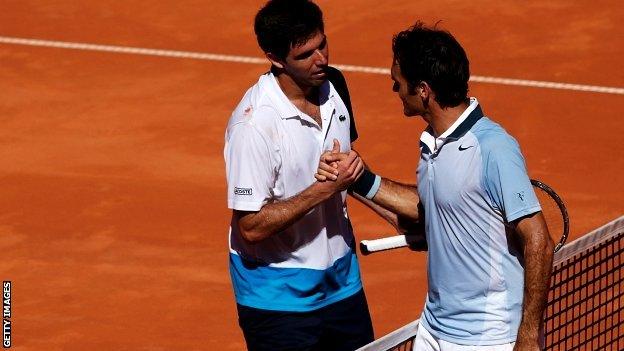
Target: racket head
[554, 212]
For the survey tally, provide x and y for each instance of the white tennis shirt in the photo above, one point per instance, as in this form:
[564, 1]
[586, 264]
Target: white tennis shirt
[272, 152]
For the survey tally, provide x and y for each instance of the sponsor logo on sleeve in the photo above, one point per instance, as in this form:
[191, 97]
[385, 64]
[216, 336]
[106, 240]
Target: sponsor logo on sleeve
[521, 195]
[243, 191]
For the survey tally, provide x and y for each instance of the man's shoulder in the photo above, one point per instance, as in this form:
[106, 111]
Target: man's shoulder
[492, 137]
[261, 115]
[337, 80]
[256, 107]
[335, 76]
[258, 123]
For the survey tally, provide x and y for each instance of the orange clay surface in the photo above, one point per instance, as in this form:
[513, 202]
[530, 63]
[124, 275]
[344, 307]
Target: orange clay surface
[113, 217]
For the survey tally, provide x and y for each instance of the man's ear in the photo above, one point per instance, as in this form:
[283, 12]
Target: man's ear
[275, 61]
[424, 90]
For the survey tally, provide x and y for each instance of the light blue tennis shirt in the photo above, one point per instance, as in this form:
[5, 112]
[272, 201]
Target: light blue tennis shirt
[472, 181]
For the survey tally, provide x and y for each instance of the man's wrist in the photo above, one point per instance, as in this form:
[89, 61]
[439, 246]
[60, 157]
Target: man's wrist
[324, 189]
[367, 185]
[529, 331]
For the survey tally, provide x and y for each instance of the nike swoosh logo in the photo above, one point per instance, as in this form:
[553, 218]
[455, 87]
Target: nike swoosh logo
[464, 148]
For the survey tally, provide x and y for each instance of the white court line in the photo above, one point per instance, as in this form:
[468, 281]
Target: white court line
[256, 60]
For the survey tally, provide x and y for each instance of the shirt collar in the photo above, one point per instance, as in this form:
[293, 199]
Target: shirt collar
[464, 122]
[282, 104]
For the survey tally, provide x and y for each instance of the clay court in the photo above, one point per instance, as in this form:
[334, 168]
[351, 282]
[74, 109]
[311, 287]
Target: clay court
[113, 216]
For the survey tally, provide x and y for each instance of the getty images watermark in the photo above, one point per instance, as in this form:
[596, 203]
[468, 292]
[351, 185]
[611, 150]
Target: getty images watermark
[6, 314]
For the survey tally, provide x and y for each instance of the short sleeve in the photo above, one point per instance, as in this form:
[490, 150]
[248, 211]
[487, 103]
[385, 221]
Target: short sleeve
[249, 168]
[506, 180]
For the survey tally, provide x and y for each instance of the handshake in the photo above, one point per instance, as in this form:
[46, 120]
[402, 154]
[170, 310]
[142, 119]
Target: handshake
[342, 170]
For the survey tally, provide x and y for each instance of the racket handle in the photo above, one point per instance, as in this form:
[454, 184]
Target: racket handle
[387, 243]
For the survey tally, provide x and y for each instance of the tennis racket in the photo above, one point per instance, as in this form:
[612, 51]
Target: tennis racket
[553, 209]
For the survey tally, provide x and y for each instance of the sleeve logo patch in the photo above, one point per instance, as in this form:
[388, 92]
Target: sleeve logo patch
[520, 195]
[243, 191]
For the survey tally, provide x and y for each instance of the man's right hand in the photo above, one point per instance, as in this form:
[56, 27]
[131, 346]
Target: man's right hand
[341, 168]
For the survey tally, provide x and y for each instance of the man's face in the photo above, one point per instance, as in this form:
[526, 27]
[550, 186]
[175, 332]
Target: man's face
[412, 104]
[307, 63]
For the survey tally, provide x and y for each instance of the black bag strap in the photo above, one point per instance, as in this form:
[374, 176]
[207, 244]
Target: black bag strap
[340, 84]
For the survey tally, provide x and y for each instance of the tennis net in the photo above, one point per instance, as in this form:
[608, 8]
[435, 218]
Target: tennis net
[585, 303]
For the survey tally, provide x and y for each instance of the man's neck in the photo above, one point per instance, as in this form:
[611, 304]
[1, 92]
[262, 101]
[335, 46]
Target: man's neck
[294, 91]
[305, 98]
[441, 119]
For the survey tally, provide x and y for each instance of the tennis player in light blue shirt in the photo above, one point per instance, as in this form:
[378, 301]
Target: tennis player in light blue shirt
[489, 251]
[472, 182]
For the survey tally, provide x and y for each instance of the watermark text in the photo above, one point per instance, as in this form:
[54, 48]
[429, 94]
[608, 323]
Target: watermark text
[6, 314]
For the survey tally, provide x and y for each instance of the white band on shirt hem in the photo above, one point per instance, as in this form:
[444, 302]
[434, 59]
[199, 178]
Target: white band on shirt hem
[375, 188]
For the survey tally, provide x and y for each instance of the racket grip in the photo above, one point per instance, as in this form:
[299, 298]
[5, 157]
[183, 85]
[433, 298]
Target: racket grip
[391, 242]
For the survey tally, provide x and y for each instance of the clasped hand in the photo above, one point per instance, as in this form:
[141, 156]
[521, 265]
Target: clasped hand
[342, 169]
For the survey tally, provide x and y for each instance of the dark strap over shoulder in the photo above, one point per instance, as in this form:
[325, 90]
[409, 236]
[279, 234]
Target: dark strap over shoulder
[340, 84]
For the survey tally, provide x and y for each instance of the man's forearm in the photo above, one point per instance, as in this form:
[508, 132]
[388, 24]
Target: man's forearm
[398, 198]
[277, 216]
[389, 216]
[536, 284]
[538, 256]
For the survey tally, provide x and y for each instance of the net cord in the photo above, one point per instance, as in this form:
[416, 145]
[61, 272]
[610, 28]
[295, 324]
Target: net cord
[589, 240]
[393, 339]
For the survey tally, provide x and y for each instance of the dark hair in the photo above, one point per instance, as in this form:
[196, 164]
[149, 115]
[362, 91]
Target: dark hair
[433, 56]
[283, 24]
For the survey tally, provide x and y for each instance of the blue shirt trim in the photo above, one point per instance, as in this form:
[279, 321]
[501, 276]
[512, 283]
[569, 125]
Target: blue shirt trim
[294, 289]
